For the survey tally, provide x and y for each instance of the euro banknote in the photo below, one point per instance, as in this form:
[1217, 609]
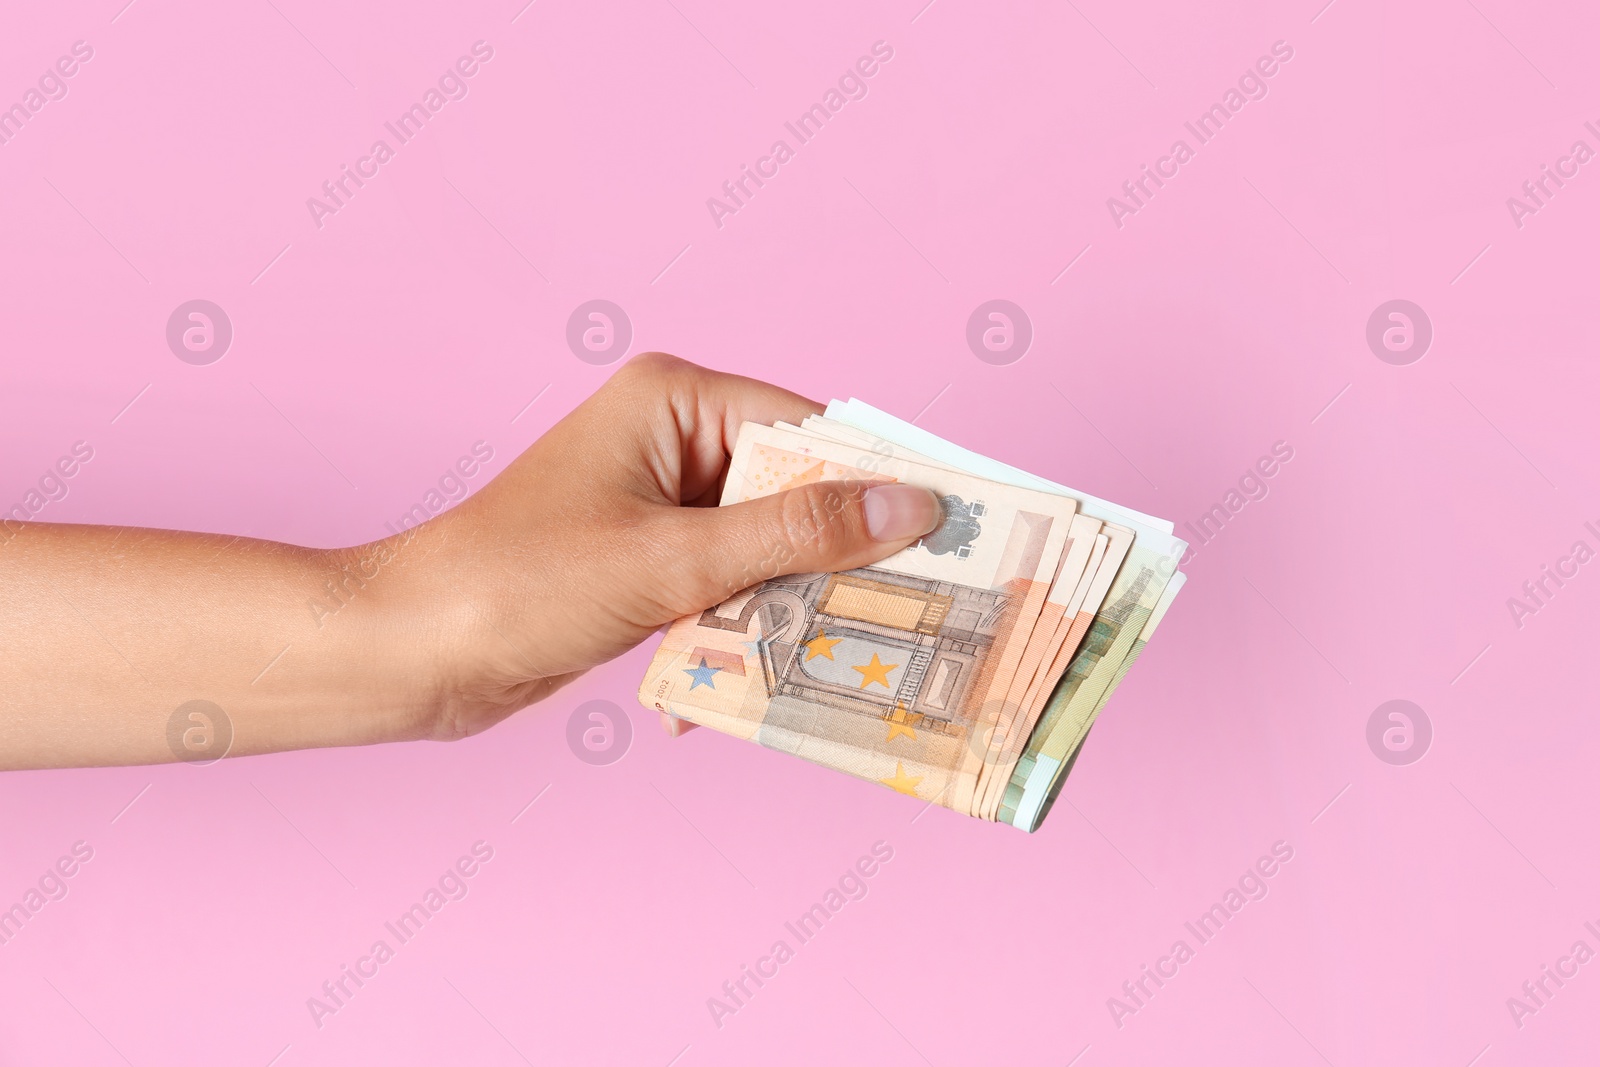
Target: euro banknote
[964, 670]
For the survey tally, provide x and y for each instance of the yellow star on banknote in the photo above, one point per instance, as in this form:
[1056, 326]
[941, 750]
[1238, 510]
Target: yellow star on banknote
[901, 721]
[821, 645]
[875, 671]
[902, 782]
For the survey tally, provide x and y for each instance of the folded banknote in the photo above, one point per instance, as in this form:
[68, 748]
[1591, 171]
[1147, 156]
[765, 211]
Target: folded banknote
[966, 669]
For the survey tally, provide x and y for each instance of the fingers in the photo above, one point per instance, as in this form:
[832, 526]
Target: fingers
[727, 400]
[668, 426]
[708, 405]
[674, 726]
[826, 526]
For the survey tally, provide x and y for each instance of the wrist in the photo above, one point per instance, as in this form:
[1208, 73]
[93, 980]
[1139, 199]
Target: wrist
[390, 631]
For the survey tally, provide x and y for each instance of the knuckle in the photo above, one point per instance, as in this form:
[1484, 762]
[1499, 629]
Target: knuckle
[817, 518]
[652, 365]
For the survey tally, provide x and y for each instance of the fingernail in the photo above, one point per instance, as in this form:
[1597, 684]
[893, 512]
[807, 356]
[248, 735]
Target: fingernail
[896, 512]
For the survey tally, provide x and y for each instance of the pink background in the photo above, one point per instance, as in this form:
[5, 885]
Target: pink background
[1224, 317]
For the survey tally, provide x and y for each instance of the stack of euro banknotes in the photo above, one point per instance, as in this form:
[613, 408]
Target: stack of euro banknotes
[965, 670]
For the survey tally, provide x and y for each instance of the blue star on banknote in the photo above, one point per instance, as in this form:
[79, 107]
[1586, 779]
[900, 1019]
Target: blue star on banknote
[702, 675]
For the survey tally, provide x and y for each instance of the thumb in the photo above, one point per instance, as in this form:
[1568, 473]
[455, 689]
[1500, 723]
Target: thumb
[824, 526]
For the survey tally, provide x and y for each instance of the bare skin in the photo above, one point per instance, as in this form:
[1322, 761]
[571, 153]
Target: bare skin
[603, 531]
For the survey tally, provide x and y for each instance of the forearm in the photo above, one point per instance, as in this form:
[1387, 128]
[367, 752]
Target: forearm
[108, 631]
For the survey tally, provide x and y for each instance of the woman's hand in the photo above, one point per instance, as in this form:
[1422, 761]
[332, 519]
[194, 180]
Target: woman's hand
[606, 529]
